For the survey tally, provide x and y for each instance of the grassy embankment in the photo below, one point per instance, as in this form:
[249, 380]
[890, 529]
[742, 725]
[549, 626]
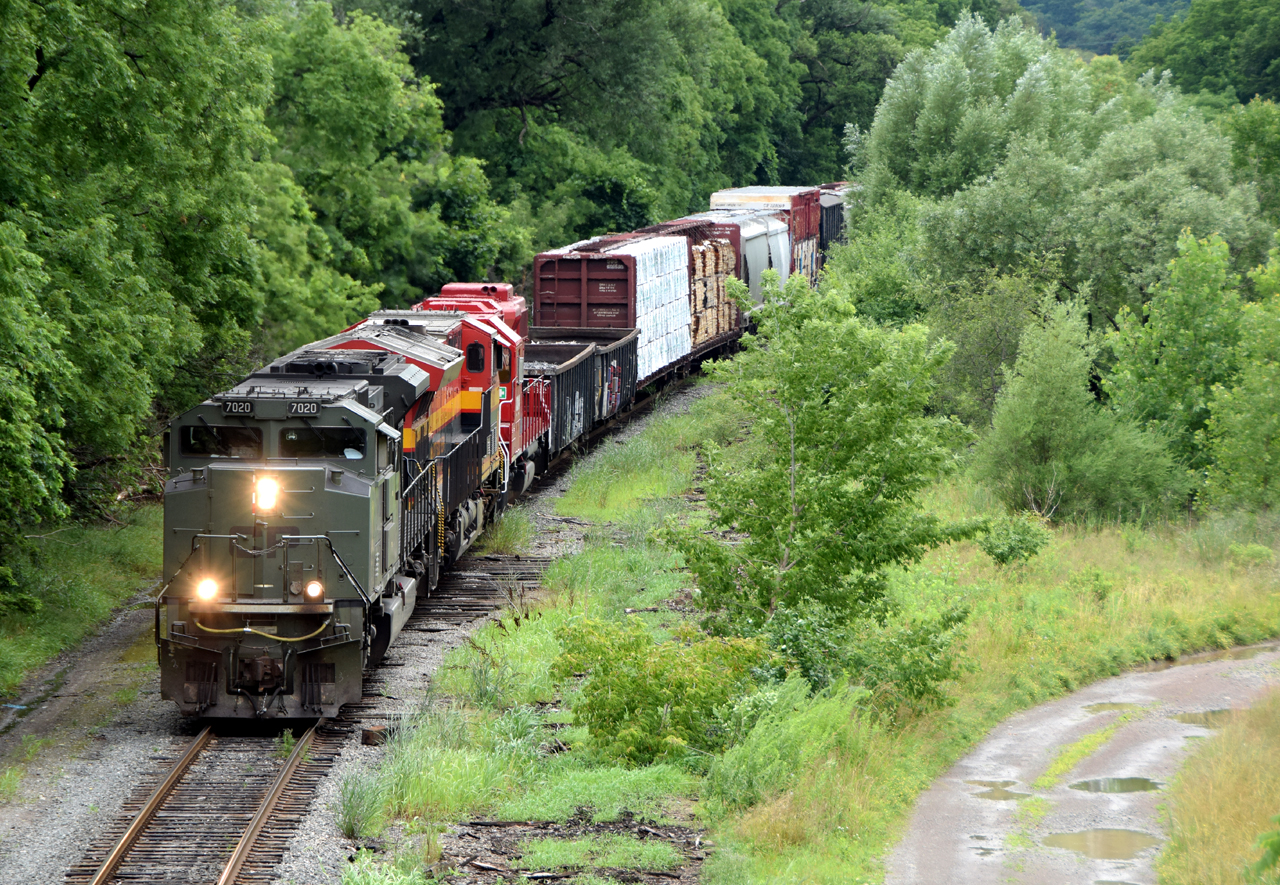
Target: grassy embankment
[1226, 796]
[83, 573]
[816, 792]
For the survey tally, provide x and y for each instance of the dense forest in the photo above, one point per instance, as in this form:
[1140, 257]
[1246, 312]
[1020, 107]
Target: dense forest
[190, 186]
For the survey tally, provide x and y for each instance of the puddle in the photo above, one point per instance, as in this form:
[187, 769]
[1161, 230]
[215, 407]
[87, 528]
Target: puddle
[1107, 707]
[143, 651]
[1104, 844]
[1111, 882]
[1222, 654]
[1207, 719]
[1117, 785]
[997, 790]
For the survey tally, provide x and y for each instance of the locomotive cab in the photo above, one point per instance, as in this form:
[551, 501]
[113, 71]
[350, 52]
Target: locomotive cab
[281, 534]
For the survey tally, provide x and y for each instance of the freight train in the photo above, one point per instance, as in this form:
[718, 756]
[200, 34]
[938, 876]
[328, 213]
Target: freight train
[310, 505]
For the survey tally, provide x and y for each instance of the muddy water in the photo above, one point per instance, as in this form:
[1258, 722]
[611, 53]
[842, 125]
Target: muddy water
[998, 790]
[1108, 707]
[1103, 844]
[1117, 785]
[1111, 837]
[1207, 719]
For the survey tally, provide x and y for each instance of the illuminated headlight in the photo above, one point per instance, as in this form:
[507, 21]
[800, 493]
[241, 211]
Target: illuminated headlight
[265, 493]
[315, 589]
[207, 589]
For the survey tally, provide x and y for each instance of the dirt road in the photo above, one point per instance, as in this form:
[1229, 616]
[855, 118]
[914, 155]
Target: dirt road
[985, 820]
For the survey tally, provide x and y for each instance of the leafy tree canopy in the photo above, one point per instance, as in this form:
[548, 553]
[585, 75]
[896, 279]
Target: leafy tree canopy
[1054, 450]
[365, 141]
[1218, 46]
[837, 405]
[1169, 360]
[1024, 151]
[124, 200]
[1103, 26]
[1243, 431]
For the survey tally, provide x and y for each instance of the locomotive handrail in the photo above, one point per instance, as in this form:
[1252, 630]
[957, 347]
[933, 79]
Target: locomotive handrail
[334, 553]
[169, 583]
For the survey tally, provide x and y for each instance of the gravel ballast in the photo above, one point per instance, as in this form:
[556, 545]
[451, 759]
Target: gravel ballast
[92, 720]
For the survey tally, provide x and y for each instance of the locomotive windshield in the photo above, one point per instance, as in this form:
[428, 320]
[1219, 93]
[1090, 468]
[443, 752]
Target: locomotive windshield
[332, 443]
[211, 441]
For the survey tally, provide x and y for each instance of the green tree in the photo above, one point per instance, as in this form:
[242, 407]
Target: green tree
[125, 138]
[33, 458]
[365, 141]
[985, 317]
[874, 270]
[1169, 360]
[661, 83]
[1053, 450]
[843, 449]
[1114, 213]
[1218, 46]
[949, 113]
[1243, 431]
[1101, 26]
[1255, 137]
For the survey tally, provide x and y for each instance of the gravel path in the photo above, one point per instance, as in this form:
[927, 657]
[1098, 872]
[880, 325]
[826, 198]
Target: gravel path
[91, 715]
[967, 824]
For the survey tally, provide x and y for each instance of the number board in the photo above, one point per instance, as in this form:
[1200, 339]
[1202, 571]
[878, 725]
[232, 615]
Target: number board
[237, 407]
[304, 408]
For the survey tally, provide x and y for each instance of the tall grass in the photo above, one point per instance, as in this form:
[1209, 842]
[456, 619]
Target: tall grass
[80, 575]
[658, 463]
[446, 762]
[1100, 598]
[1222, 800]
[510, 535]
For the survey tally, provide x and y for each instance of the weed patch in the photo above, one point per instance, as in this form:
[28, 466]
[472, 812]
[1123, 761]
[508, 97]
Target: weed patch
[614, 852]
[605, 791]
[510, 535]
[1073, 754]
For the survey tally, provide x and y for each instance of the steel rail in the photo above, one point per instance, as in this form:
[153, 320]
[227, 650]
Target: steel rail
[144, 817]
[265, 810]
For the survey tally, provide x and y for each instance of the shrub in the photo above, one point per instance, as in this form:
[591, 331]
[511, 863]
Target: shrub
[644, 700]
[808, 640]
[1052, 450]
[904, 663]
[1015, 539]
[1250, 555]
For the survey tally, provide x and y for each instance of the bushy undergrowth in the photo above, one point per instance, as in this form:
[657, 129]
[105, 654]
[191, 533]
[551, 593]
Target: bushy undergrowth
[79, 574]
[644, 700]
[807, 771]
[1013, 539]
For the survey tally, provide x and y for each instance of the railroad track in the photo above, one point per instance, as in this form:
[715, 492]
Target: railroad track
[222, 812]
